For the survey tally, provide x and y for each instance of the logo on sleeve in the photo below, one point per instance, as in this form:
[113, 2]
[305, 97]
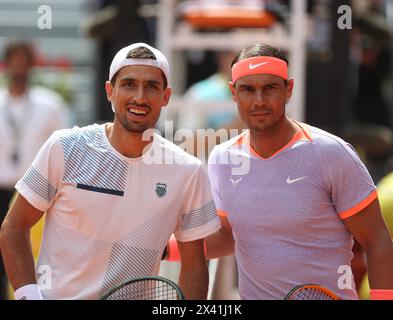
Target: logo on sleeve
[161, 189]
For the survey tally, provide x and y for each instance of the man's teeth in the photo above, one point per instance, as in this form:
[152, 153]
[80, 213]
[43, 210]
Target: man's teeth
[137, 111]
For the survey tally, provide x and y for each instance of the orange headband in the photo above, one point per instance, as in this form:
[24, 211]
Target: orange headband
[259, 65]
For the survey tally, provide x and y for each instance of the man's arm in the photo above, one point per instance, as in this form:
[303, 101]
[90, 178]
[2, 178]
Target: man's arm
[217, 245]
[369, 229]
[194, 275]
[220, 243]
[15, 242]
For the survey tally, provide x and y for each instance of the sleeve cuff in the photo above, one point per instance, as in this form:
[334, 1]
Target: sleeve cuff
[359, 207]
[200, 233]
[222, 213]
[381, 294]
[35, 200]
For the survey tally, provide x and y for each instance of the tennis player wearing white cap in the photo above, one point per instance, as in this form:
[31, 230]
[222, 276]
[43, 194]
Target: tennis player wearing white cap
[110, 210]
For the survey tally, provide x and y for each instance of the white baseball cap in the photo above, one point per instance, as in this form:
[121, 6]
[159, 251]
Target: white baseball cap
[120, 60]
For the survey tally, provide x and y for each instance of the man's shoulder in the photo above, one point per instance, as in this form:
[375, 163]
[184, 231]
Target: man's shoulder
[174, 152]
[89, 133]
[3, 92]
[326, 139]
[229, 144]
[67, 138]
[329, 147]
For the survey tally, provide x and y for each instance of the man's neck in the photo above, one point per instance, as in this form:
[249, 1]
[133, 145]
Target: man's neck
[17, 90]
[267, 143]
[127, 143]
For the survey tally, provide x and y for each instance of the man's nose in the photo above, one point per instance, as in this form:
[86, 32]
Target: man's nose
[140, 95]
[260, 96]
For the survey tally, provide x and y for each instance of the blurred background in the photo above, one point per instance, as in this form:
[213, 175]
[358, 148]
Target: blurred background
[340, 57]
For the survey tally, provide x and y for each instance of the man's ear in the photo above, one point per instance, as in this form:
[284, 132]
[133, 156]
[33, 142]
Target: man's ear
[233, 90]
[109, 91]
[167, 96]
[290, 85]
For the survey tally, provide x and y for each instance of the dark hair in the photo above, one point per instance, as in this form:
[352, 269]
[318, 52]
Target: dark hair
[141, 53]
[19, 46]
[258, 50]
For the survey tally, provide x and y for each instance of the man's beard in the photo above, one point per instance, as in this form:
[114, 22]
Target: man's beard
[134, 126]
[268, 125]
[261, 127]
[131, 126]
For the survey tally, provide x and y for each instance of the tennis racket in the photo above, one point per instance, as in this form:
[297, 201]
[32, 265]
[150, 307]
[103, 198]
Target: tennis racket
[310, 292]
[145, 288]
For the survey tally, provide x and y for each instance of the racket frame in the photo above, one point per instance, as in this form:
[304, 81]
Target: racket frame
[310, 286]
[141, 279]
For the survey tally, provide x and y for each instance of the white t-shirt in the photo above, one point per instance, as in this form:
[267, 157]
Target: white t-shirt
[108, 217]
[35, 115]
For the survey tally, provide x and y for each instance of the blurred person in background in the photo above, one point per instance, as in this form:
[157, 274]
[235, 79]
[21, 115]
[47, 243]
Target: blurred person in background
[207, 104]
[28, 116]
[213, 89]
[370, 41]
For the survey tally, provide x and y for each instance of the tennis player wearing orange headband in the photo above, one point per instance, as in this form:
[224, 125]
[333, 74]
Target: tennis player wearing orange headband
[292, 218]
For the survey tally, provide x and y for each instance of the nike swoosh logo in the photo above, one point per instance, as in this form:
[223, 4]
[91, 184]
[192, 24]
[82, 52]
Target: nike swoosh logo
[254, 66]
[292, 181]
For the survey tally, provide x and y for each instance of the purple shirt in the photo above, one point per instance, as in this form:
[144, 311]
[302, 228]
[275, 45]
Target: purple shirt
[287, 211]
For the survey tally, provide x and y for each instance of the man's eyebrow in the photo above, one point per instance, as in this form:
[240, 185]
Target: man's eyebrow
[134, 80]
[127, 79]
[245, 85]
[265, 85]
[272, 84]
[153, 82]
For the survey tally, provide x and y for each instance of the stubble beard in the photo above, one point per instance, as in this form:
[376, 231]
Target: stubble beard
[131, 126]
[266, 127]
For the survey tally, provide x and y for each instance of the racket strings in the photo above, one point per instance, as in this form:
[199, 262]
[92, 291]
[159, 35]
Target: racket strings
[311, 294]
[145, 290]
